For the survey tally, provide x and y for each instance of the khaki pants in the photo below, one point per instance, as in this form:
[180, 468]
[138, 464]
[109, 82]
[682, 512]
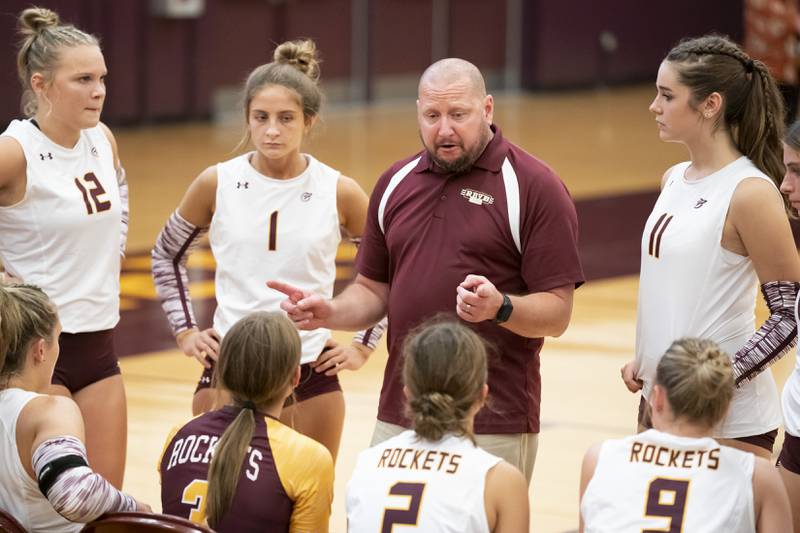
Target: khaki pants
[518, 449]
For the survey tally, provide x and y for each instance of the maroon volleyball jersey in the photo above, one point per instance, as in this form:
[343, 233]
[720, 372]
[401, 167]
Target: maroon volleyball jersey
[509, 218]
[285, 482]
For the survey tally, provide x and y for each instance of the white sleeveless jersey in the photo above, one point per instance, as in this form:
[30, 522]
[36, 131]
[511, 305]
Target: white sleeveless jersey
[690, 286]
[409, 481]
[19, 494]
[660, 482]
[791, 395]
[265, 228]
[64, 236]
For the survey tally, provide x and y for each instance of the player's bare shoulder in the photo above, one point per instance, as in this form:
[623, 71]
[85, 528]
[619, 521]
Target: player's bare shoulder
[112, 141]
[351, 202]
[199, 202]
[12, 168]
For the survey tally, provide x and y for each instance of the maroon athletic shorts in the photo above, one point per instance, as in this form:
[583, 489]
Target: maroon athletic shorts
[85, 358]
[311, 384]
[790, 454]
[765, 440]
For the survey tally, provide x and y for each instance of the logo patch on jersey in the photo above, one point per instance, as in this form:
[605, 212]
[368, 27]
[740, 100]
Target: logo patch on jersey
[306, 196]
[477, 197]
[48, 155]
[242, 184]
[700, 203]
[94, 152]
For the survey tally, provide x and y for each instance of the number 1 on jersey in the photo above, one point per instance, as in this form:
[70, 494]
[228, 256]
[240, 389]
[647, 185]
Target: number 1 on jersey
[273, 231]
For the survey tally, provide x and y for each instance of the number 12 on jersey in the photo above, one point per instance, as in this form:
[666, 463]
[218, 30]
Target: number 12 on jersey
[403, 517]
[91, 190]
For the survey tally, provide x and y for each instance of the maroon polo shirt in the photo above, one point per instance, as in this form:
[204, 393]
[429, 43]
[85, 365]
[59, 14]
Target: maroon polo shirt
[439, 227]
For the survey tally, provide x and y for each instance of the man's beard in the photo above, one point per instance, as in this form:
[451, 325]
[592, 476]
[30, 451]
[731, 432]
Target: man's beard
[463, 162]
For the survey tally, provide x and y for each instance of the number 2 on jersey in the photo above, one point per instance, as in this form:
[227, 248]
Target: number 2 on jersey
[408, 516]
[273, 231]
[666, 498]
[195, 495]
[91, 190]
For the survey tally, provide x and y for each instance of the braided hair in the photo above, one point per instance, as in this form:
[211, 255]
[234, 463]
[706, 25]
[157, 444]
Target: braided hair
[753, 109]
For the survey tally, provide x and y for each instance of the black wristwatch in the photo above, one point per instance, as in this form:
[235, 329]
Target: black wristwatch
[504, 313]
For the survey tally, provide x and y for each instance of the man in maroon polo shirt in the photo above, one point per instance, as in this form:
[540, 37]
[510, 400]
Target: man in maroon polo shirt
[473, 225]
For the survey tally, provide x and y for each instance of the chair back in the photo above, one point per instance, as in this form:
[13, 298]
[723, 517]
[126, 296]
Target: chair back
[9, 524]
[131, 522]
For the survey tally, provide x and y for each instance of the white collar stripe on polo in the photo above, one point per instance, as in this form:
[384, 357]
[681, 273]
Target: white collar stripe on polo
[393, 183]
[512, 200]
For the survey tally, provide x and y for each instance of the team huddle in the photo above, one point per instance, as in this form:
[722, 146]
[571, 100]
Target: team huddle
[472, 220]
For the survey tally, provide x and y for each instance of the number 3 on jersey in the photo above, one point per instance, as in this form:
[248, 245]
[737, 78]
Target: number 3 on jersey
[195, 495]
[91, 190]
[403, 517]
[666, 498]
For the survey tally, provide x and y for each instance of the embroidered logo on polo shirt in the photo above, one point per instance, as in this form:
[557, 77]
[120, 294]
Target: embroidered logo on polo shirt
[306, 196]
[477, 197]
[94, 152]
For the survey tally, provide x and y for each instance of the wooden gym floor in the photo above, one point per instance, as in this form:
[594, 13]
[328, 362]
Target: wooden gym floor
[603, 144]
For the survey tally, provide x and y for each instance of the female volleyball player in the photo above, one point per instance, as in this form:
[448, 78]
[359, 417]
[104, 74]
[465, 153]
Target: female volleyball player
[789, 460]
[63, 219]
[272, 213]
[239, 467]
[434, 476]
[676, 477]
[718, 229]
[47, 481]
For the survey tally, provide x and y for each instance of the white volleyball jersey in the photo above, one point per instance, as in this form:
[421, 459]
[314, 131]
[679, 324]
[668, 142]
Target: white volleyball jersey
[791, 395]
[19, 493]
[791, 402]
[64, 236]
[690, 286]
[660, 482]
[272, 229]
[408, 481]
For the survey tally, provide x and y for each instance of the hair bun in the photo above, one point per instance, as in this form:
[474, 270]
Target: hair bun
[34, 20]
[301, 54]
